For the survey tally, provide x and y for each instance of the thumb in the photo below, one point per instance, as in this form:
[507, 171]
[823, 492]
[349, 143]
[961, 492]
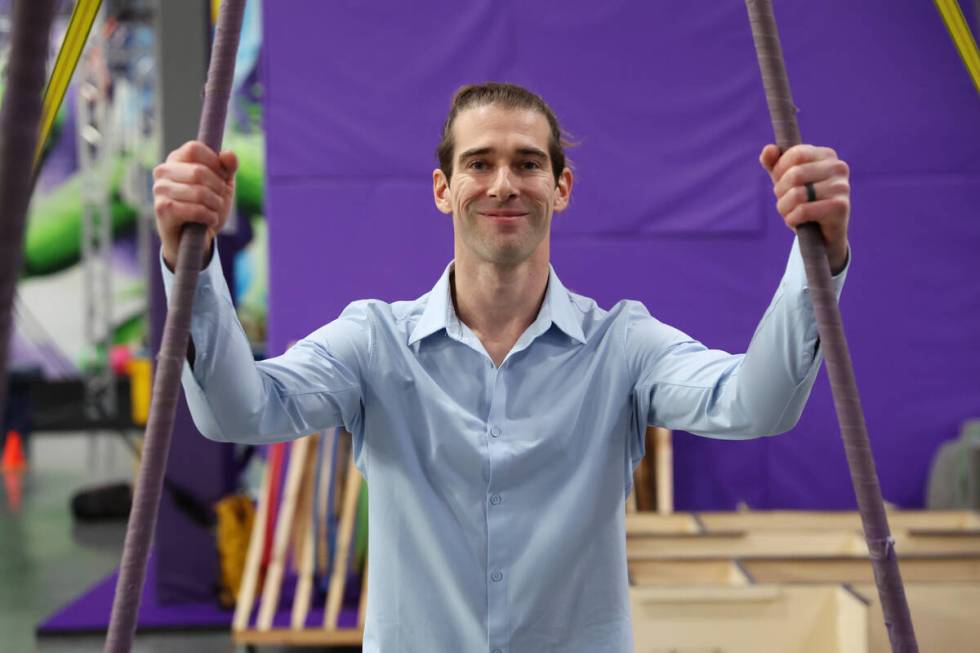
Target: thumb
[229, 162]
[768, 157]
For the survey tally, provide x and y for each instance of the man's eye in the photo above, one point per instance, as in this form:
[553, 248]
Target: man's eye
[531, 165]
[477, 165]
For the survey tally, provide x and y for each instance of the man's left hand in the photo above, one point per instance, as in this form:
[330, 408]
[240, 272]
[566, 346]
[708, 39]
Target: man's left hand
[819, 166]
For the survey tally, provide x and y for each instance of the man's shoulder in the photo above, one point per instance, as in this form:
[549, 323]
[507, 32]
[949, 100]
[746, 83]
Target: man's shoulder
[596, 320]
[399, 314]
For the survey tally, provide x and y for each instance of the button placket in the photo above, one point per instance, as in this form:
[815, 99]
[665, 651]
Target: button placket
[498, 620]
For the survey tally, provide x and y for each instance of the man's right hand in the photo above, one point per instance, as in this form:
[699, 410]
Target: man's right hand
[194, 184]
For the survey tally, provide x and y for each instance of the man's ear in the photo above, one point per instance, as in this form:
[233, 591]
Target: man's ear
[563, 189]
[440, 191]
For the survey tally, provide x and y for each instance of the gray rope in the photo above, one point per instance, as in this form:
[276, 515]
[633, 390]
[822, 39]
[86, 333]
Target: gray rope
[173, 350]
[850, 416]
[20, 120]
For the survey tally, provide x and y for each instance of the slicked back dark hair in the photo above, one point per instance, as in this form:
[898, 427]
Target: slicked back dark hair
[509, 96]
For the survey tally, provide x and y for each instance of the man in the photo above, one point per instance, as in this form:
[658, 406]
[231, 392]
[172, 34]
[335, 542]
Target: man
[498, 418]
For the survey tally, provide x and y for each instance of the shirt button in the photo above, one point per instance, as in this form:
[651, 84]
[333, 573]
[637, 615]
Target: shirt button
[495, 499]
[495, 431]
[497, 576]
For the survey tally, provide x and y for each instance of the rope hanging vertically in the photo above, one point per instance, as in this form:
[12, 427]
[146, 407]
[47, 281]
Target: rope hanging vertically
[20, 117]
[850, 415]
[173, 350]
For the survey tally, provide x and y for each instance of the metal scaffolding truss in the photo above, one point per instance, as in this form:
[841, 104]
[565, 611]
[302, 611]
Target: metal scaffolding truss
[114, 128]
[94, 157]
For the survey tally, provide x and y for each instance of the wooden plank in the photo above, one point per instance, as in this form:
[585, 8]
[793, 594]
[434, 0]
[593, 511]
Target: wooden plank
[284, 528]
[937, 542]
[936, 569]
[253, 560]
[308, 637]
[303, 538]
[324, 511]
[750, 544]
[632, 504]
[301, 523]
[345, 532]
[707, 594]
[799, 520]
[770, 543]
[664, 473]
[643, 478]
[687, 572]
[362, 609]
[649, 523]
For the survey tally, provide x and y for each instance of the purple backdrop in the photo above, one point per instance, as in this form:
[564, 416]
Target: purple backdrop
[670, 205]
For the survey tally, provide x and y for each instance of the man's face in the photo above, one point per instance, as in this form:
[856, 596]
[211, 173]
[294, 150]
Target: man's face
[503, 192]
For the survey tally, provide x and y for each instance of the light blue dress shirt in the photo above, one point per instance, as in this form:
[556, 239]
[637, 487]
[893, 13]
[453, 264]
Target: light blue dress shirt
[497, 494]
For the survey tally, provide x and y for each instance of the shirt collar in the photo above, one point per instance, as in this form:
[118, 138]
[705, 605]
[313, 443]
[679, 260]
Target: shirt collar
[440, 313]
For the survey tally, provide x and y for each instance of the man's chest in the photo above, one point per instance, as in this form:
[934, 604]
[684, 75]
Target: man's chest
[542, 412]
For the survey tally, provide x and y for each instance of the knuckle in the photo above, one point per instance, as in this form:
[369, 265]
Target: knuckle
[195, 149]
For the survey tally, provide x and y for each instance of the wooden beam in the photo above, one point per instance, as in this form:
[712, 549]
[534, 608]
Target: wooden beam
[345, 533]
[253, 561]
[303, 539]
[664, 474]
[284, 528]
[309, 637]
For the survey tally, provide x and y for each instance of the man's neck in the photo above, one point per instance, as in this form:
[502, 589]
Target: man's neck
[498, 303]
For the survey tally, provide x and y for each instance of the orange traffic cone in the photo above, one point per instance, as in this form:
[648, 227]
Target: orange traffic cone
[13, 453]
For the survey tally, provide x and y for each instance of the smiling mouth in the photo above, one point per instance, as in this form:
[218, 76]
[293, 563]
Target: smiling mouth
[502, 215]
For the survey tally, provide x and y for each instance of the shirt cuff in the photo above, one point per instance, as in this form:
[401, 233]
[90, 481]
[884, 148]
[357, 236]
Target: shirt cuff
[796, 272]
[212, 300]
[209, 279]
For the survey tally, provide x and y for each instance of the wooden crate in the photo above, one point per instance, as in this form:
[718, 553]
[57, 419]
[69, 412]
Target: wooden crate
[946, 616]
[740, 552]
[749, 619]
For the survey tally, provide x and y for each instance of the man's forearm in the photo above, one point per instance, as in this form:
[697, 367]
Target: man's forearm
[219, 355]
[784, 356]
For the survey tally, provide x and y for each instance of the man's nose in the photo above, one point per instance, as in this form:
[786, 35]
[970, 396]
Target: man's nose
[503, 186]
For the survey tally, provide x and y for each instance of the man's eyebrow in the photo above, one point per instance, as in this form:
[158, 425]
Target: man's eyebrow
[523, 151]
[532, 151]
[476, 151]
